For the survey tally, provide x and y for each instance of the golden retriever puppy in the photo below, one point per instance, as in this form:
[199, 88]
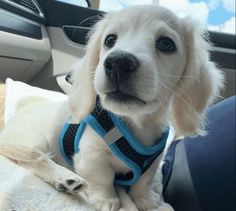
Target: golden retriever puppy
[150, 69]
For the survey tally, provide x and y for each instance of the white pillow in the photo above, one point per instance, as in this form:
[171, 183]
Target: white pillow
[17, 90]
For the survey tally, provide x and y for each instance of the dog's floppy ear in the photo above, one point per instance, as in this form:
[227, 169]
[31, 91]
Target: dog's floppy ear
[199, 85]
[83, 96]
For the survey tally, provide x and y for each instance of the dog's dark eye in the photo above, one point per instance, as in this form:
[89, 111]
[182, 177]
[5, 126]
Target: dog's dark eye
[165, 45]
[110, 40]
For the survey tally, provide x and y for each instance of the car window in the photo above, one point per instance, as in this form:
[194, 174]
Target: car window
[217, 15]
[82, 3]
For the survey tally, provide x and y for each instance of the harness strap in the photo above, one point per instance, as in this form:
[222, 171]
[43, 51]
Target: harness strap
[119, 139]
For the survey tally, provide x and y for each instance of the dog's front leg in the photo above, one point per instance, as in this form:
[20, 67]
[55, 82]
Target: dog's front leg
[61, 178]
[41, 165]
[98, 172]
[143, 196]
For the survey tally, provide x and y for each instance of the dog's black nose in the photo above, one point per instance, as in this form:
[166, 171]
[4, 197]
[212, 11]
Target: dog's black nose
[119, 65]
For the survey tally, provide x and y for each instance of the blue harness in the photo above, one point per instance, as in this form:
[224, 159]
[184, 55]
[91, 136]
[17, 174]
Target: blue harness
[119, 139]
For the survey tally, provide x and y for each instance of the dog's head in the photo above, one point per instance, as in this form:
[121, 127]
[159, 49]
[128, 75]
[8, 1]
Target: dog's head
[143, 59]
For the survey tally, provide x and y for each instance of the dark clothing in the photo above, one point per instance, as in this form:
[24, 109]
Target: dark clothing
[199, 173]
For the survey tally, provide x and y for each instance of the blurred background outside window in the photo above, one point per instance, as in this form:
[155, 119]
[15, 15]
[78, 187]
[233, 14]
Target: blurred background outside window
[217, 15]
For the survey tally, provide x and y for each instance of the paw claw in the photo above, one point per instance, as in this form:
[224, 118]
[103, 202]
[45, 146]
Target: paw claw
[61, 188]
[70, 181]
[72, 186]
[77, 187]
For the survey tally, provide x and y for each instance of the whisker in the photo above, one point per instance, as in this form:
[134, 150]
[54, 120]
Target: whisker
[186, 76]
[175, 93]
[180, 90]
[93, 19]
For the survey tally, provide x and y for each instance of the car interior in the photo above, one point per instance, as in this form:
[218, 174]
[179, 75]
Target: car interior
[41, 40]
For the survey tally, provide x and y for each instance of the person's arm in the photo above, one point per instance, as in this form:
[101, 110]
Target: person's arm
[199, 173]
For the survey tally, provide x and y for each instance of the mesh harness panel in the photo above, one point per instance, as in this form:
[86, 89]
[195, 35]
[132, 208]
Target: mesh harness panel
[126, 147]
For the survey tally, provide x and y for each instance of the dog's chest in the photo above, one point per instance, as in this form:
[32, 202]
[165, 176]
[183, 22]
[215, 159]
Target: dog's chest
[92, 146]
[106, 140]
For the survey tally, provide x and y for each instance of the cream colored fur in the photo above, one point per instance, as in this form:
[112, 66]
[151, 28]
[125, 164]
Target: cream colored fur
[2, 105]
[176, 88]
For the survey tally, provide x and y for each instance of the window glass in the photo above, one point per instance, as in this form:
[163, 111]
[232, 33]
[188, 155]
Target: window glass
[217, 15]
[81, 3]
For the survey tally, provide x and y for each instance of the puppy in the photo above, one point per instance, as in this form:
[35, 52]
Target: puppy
[148, 67]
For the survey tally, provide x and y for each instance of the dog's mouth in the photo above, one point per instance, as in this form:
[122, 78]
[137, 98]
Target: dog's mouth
[121, 97]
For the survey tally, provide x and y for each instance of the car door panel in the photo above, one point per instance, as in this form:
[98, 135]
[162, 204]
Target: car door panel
[67, 27]
[14, 24]
[24, 42]
[60, 13]
[77, 34]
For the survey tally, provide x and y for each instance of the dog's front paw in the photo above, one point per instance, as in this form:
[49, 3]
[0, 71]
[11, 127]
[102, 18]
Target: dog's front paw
[133, 208]
[105, 204]
[165, 207]
[145, 203]
[73, 185]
